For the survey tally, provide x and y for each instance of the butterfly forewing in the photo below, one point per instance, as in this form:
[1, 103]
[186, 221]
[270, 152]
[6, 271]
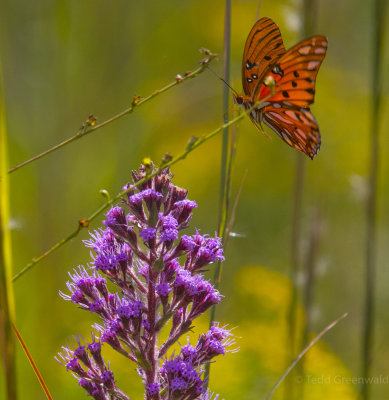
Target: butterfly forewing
[296, 126]
[263, 48]
[295, 72]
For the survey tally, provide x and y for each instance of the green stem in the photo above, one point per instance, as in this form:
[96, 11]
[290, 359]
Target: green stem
[225, 171]
[308, 16]
[135, 104]
[379, 13]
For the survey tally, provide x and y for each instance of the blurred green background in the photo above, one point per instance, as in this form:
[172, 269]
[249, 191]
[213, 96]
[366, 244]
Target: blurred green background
[63, 60]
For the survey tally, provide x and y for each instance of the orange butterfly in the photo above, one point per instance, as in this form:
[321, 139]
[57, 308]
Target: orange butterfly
[268, 68]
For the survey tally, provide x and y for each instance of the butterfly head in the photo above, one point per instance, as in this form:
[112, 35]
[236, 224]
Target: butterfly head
[238, 99]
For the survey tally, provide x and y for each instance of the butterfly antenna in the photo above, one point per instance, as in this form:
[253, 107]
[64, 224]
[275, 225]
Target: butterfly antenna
[258, 8]
[233, 90]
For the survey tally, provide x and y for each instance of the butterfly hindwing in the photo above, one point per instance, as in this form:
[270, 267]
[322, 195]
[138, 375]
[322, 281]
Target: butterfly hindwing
[263, 48]
[296, 126]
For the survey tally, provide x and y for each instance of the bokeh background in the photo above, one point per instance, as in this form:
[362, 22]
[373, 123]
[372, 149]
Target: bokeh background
[63, 60]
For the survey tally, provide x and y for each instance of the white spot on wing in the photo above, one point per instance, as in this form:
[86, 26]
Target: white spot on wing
[312, 65]
[319, 50]
[304, 50]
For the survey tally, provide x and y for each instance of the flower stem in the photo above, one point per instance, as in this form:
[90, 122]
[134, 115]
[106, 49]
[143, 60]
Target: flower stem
[152, 356]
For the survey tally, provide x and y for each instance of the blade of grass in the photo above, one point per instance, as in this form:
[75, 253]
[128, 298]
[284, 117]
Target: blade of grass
[303, 352]
[90, 126]
[7, 304]
[379, 14]
[32, 362]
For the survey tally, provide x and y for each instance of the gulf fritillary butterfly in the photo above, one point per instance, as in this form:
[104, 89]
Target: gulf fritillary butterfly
[268, 68]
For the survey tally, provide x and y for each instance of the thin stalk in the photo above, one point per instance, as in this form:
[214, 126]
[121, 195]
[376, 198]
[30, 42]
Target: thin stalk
[32, 363]
[309, 282]
[90, 126]
[223, 195]
[7, 303]
[295, 258]
[303, 352]
[310, 268]
[295, 243]
[379, 13]
[193, 144]
[308, 19]
[234, 208]
[225, 172]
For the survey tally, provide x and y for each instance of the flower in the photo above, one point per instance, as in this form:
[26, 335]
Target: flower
[155, 279]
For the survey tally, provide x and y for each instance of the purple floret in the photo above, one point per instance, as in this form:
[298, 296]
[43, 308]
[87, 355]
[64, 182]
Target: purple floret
[147, 234]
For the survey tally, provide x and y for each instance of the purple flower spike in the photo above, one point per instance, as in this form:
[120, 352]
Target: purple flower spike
[144, 277]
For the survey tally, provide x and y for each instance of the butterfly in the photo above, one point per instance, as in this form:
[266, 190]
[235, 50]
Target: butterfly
[285, 81]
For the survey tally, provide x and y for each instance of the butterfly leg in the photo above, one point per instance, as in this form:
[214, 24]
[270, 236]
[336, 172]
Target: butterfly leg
[256, 117]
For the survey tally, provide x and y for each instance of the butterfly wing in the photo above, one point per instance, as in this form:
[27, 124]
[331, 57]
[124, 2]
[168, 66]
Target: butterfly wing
[263, 48]
[295, 73]
[296, 126]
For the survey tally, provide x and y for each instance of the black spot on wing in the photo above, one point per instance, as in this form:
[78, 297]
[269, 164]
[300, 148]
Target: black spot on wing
[250, 65]
[277, 70]
[285, 93]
